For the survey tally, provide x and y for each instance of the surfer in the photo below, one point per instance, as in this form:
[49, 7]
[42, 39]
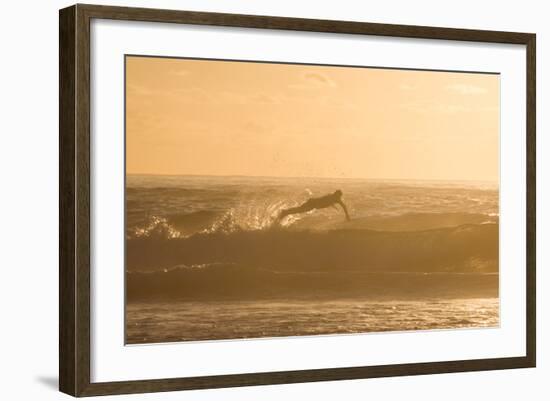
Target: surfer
[317, 203]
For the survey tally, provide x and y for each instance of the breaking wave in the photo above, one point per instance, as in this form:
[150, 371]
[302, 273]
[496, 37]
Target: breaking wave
[214, 238]
[265, 218]
[244, 254]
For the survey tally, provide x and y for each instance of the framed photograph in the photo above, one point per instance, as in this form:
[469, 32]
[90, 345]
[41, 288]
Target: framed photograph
[250, 200]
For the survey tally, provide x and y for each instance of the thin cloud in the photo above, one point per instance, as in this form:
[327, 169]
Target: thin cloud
[467, 89]
[319, 79]
[265, 98]
[314, 80]
[435, 107]
[180, 72]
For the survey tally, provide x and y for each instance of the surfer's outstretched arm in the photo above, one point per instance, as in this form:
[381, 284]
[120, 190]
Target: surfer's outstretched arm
[345, 209]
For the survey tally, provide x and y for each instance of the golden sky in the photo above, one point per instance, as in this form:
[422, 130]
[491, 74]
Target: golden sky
[258, 119]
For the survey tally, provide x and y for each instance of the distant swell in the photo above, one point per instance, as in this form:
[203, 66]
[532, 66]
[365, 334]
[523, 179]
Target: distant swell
[219, 282]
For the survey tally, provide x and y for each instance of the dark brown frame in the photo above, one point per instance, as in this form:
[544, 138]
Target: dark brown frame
[74, 199]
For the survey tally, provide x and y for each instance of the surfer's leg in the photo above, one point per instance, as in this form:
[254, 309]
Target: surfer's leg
[286, 212]
[306, 207]
[283, 213]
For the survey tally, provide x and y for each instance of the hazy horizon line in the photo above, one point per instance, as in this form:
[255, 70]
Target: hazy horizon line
[312, 177]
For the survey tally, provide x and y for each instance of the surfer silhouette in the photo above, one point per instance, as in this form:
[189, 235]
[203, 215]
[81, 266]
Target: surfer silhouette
[317, 203]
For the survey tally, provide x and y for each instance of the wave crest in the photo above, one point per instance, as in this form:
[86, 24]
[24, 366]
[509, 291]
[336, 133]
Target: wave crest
[157, 227]
[231, 221]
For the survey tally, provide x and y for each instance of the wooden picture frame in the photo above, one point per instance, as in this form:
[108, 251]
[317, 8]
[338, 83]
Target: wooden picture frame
[74, 203]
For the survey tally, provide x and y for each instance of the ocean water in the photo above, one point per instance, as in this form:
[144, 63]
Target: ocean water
[218, 320]
[206, 258]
